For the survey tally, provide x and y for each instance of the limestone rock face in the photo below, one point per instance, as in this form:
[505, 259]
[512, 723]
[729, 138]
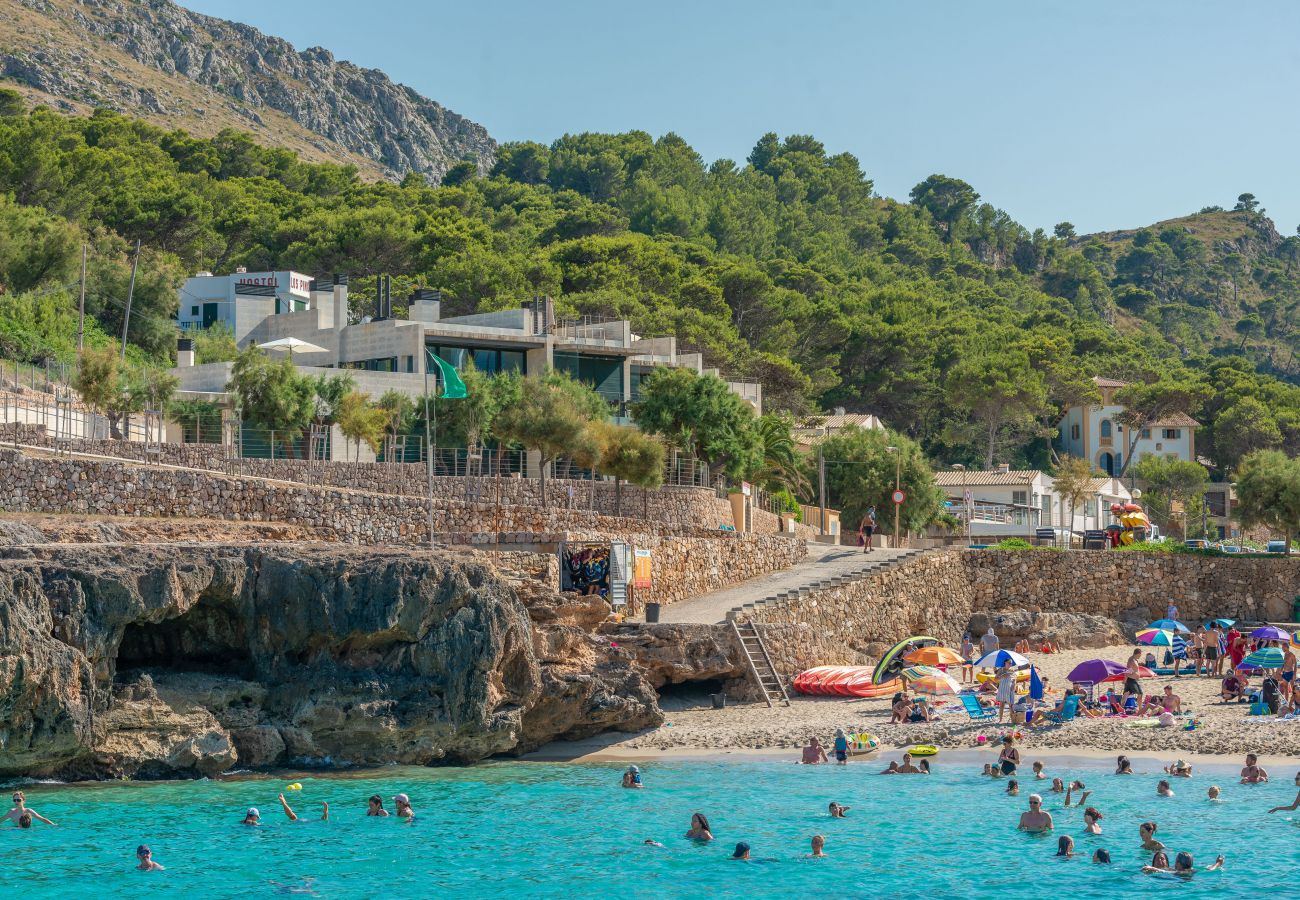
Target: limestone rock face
[1069, 630]
[188, 660]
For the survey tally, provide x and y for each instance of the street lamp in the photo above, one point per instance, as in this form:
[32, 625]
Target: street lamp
[898, 472]
[965, 501]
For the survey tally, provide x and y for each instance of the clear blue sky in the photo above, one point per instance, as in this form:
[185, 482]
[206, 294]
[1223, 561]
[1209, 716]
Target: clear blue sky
[1108, 114]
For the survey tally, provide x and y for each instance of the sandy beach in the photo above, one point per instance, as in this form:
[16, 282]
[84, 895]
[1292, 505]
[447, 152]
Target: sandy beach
[693, 727]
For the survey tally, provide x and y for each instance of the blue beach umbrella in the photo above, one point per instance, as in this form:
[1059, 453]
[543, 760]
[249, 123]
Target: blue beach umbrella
[1169, 625]
[999, 658]
[1035, 684]
[1225, 623]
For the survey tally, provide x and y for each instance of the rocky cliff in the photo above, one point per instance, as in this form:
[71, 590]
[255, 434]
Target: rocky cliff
[177, 68]
[193, 659]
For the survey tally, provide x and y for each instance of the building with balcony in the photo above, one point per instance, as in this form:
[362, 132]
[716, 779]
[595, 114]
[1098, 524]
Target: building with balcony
[1094, 433]
[1006, 502]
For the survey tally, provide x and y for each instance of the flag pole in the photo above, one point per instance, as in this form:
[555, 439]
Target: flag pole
[428, 445]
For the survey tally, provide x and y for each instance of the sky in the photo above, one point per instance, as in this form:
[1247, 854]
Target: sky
[1106, 114]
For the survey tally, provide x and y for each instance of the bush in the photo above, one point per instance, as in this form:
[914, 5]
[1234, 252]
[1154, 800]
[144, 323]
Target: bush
[1013, 544]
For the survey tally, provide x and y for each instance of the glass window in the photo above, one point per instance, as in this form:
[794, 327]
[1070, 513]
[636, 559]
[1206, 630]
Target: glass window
[1105, 428]
[1173, 434]
[1074, 432]
[1020, 498]
[1146, 434]
[194, 310]
[513, 361]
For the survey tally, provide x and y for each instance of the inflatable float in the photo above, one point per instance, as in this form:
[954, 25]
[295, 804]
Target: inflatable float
[1133, 524]
[923, 750]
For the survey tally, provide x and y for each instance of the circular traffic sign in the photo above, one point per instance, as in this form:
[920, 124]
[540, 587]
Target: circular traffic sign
[899, 496]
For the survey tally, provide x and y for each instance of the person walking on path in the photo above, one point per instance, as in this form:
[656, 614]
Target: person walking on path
[868, 528]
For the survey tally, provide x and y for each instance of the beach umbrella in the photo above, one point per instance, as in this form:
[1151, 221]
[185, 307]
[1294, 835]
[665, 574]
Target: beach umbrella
[1035, 684]
[1245, 666]
[934, 656]
[914, 673]
[999, 658]
[939, 683]
[1169, 625]
[1156, 637]
[1095, 671]
[291, 344]
[1143, 672]
[1267, 658]
[1225, 623]
[1270, 633]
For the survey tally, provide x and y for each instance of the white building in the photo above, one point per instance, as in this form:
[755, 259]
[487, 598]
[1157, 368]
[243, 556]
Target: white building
[240, 300]
[1009, 502]
[1095, 434]
[815, 429]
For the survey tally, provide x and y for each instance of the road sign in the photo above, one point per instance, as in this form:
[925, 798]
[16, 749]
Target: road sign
[899, 497]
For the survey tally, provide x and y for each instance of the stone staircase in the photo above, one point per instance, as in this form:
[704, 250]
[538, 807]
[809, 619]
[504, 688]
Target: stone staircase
[869, 568]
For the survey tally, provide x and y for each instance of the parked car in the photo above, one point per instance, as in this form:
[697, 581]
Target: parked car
[1233, 548]
[1275, 547]
[1198, 544]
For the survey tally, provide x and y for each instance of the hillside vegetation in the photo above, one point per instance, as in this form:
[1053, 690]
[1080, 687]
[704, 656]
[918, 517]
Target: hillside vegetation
[942, 315]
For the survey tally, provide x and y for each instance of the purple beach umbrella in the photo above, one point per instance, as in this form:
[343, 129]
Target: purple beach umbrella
[1094, 670]
[1269, 633]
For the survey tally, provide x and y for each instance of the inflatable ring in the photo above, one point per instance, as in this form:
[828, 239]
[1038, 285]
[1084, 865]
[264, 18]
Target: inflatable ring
[923, 750]
[863, 743]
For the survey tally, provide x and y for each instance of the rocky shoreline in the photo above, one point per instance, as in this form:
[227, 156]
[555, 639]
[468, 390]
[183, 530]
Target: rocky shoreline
[183, 660]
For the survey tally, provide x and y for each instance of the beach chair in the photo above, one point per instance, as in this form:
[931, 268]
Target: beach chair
[1069, 710]
[973, 708]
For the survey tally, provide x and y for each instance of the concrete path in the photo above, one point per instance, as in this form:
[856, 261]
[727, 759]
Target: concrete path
[824, 561]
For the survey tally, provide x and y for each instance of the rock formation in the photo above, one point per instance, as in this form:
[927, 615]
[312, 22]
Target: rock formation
[178, 68]
[192, 659]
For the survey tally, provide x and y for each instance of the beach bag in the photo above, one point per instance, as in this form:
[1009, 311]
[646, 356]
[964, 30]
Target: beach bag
[862, 539]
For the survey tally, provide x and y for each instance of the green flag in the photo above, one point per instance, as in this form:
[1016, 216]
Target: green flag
[453, 388]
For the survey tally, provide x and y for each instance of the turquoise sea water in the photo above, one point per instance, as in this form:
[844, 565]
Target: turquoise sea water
[569, 830]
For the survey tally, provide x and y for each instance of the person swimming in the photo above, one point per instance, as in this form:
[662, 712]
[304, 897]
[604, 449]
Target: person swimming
[1065, 846]
[1101, 855]
[837, 811]
[1179, 769]
[375, 806]
[699, 830]
[632, 778]
[252, 817]
[20, 807]
[404, 808]
[1013, 788]
[1038, 770]
[1058, 786]
[818, 846]
[1091, 819]
[1163, 789]
[891, 769]
[1253, 772]
[651, 842]
[1295, 804]
[741, 851]
[1084, 793]
[1185, 865]
[1123, 766]
[1147, 831]
[1159, 863]
[1035, 819]
[293, 817]
[987, 770]
[1213, 794]
[814, 753]
[145, 857]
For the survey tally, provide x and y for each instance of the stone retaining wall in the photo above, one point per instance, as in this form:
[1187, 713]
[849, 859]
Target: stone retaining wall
[687, 561]
[1134, 587]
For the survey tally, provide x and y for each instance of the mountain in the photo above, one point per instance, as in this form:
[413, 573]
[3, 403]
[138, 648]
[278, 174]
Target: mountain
[180, 69]
[1222, 282]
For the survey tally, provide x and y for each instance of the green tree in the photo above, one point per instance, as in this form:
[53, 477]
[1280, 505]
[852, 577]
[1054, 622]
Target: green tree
[548, 419]
[1064, 231]
[1242, 428]
[630, 455]
[702, 416]
[1073, 483]
[399, 413]
[200, 420]
[1268, 492]
[11, 103]
[99, 381]
[947, 199]
[1147, 404]
[1168, 483]
[330, 391]
[216, 343]
[272, 395]
[782, 468]
[1002, 395]
[860, 474]
[359, 421]
[1247, 202]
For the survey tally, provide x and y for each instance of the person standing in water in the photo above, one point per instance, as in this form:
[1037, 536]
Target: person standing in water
[1035, 819]
[20, 807]
[818, 846]
[841, 747]
[145, 857]
[632, 778]
[376, 806]
[252, 817]
[404, 809]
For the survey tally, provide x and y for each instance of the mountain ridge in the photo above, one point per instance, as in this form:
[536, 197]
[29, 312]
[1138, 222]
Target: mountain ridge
[181, 69]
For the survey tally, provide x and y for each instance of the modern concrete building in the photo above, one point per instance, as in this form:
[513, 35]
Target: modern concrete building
[384, 352]
[1095, 434]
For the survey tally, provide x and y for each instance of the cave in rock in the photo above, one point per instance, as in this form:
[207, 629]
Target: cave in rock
[208, 638]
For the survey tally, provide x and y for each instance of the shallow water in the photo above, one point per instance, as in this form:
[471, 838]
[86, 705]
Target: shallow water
[569, 830]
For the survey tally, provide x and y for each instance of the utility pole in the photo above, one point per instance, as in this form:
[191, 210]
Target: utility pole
[81, 305]
[898, 472]
[130, 292]
[821, 485]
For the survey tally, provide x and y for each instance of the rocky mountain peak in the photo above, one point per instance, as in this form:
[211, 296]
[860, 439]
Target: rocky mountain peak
[161, 61]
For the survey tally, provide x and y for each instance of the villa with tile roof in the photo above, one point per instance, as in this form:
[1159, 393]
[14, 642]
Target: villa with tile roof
[1095, 434]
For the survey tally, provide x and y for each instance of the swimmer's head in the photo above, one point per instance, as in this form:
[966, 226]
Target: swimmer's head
[1214, 791]
[1038, 766]
[401, 800]
[1064, 845]
[19, 797]
[1035, 800]
[1297, 778]
[907, 757]
[1101, 856]
[25, 820]
[1251, 759]
[1093, 813]
[252, 813]
[818, 842]
[698, 821]
[634, 770]
[741, 852]
[1160, 860]
[1147, 828]
[1183, 862]
[1058, 784]
[376, 801]
[142, 852]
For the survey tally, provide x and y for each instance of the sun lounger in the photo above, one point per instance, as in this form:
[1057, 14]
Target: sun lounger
[973, 708]
[1069, 709]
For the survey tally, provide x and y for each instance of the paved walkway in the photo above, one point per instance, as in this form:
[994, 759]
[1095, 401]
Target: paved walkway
[824, 561]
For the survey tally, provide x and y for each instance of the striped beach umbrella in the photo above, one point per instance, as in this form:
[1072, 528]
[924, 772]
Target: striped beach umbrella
[1267, 658]
[1156, 637]
[940, 683]
[999, 658]
[916, 673]
[1169, 625]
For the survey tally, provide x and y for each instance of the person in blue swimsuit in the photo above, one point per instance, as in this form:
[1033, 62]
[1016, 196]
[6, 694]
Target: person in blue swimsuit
[841, 747]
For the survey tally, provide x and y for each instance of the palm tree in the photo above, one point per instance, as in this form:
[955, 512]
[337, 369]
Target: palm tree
[780, 469]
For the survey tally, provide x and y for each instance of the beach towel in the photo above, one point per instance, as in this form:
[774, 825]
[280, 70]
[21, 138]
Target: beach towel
[1179, 647]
